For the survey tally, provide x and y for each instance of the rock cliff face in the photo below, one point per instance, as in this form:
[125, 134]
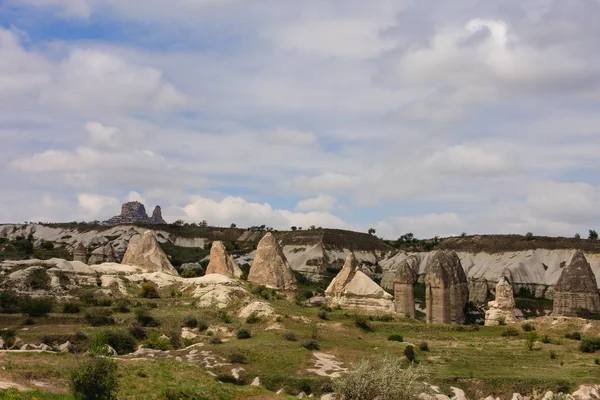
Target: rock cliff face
[503, 307]
[221, 262]
[147, 254]
[270, 267]
[576, 289]
[446, 290]
[351, 288]
[135, 212]
[103, 254]
[404, 294]
[80, 253]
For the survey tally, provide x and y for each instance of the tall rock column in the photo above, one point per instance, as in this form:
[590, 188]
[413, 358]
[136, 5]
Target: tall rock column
[576, 290]
[80, 253]
[221, 262]
[503, 307]
[404, 294]
[270, 267]
[147, 254]
[446, 289]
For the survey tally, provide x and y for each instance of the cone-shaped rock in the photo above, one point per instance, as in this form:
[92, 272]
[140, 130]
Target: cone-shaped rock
[404, 294]
[270, 267]
[446, 289]
[503, 307]
[221, 262]
[147, 254]
[351, 288]
[576, 290]
[80, 253]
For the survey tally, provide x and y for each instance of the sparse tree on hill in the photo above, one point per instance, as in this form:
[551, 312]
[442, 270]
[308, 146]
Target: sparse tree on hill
[593, 235]
[312, 227]
[529, 236]
[294, 228]
[203, 224]
[233, 226]
[372, 231]
[463, 234]
[577, 236]
[179, 222]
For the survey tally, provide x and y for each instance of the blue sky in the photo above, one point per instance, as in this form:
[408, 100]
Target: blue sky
[430, 117]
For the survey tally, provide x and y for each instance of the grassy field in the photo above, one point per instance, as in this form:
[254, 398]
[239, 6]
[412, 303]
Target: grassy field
[479, 360]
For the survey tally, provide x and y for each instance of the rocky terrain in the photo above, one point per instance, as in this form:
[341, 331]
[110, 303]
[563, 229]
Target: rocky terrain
[134, 212]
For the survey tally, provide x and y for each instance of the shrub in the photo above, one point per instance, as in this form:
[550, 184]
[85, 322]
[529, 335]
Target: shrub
[243, 333]
[545, 339]
[189, 321]
[8, 335]
[121, 306]
[409, 353]
[325, 307]
[384, 379]
[528, 327]
[123, 342]
[573, 336]
[226, 378]
[156, 341]
[189, 273]
[143, 316]
[202, 326]
[382, 317]
[553, 355]
[310, 344]
[238, 358]
[215, 340]
[589, 344]
[175, 337]
[501, 321]
[265, 292]
[597, 361]
[510, 331]
[360, 321]
[395, 338]
[291, 336]
[530, 339]
[529, 236]
[226, 318]
[36, 307]
[252, 319]
[137, 331]
[424, 346]
[38, 280]
[71, 308]
[95, 379]
[99, 344]
[149, 291]
[323, 314]
[9, 302]
[98, 317]
[104, 302]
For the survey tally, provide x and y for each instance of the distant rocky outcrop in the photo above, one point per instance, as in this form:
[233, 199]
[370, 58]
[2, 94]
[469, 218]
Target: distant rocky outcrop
[503, 307]
[352, 288]
[576, 289]
[147, 253]
[134, 212]
[270, 267]
[446, 290]
[221, 262]
[80, 253]
[103, 254]
[404, 294]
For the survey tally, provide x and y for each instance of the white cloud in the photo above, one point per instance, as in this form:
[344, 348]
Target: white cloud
[102, 135]
[325, 181]
[135, 196]
[243, 213]
[290, 137]
[469, 160]
[322, 202]
[95, 205]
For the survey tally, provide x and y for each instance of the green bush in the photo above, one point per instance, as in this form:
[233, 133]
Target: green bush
[156, 342]
[189, 273]
[424, 346]
[104, 301]
[38, 307]
[325, 307]
[528, 327]
[95, 379]
[99, 317]
[121, 306]
[215, 340]
[143, 316]
[409, 353]
[265, 292]
[324, 315]
[38, 279]
[573, 336]
[395, 338]
[553, 355]
[202, 326]
[291, 336]
[227, 378]
[9, 302]
[243, 333]
[71, 308]
[123, 342]
[589, 344]
[310, 344]
[360, 321]
[381, 318]
[149, 291]
[545, 339]
[238, 358]
[189, 321]
[510, 331]
[225, 318]
[137, 331]
[530, 338]
[252, 319]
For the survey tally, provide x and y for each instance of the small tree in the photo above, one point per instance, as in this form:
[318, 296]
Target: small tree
[294, 228]
[371, 231]
[95, 379]
[233, 226]
[593, 235]
[179, 222]
[529, 236]
[577, 236]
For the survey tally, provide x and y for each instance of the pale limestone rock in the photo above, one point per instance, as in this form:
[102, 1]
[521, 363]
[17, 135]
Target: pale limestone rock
[219, 296]
[503, 307]
[352, 288]
[103, 254]
[404, 294]
[45, 347]
[80, 253]
[186, 333]
[260, 309]
[548, 396]
[66, 347]
[459, 394]
[270, 267]
[147, 254]
[255, 382]
[221, 262]
[446, 290]
[576, 289]
[586, 392]
[517, 396]
[2, 344]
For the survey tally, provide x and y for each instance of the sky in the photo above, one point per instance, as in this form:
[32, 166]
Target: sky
[425, 116]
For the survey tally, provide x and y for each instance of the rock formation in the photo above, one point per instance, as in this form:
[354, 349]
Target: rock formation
[270, 267]
[446, 290]
[135, 212]
[576, 290]
[80, 253]
[404, 294]
[221, 262]
[147, 254]
[103, 254]
[503, 307]
[352, 288]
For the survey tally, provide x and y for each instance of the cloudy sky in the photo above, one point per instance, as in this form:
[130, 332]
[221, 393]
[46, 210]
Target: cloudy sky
[423, 116]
